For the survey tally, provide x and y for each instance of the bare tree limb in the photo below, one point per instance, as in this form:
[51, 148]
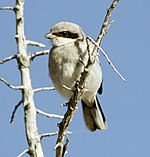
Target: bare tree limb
[7, 8]
[11, 86]
[35, 147]
[23, 153]
[105, 25]
[8, 59]
[52, 134]
[49, 115]
[43, 89]
[40, 53]
[14, 111]
[48, 135]
[72, 105]
[80, 87]
[34, 43]
[107, 58]
[65, 147]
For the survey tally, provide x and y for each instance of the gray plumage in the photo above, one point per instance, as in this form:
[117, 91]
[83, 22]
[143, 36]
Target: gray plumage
[65, 67]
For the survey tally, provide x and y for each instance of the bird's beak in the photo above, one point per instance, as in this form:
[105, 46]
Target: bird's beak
[50, 36]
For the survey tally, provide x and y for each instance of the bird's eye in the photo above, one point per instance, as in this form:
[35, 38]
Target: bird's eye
[65, 34]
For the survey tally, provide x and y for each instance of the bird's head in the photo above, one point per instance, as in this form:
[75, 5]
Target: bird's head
[65, 32]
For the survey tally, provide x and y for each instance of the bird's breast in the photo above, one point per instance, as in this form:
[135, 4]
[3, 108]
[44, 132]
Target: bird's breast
[63, 68]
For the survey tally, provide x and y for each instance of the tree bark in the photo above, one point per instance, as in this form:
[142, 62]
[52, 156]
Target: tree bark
[33, 138]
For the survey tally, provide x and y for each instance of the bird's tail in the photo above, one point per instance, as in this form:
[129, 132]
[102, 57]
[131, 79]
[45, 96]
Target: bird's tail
[93, 116]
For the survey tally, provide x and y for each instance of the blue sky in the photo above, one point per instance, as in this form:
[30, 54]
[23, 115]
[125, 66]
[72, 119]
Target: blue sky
[126, 105]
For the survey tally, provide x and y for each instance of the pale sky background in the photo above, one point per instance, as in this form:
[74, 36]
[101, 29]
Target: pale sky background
[126, 105]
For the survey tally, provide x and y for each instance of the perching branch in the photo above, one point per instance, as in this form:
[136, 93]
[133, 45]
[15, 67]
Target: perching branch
[72, 106]
[80, 87]
[49, 115]
[11, 86]
[8, 59]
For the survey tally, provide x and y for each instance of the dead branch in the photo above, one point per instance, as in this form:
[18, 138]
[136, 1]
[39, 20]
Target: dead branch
[48, 135]
[34, 43]
[43, 89]
[105, 25]
[107, 58]
[49, 115]
[8, 59]
[23, 153]
[7, 8]
[63, 126]
[40, 53]
[35, 147]
[65, 147]
[14, 111]
[11, 86]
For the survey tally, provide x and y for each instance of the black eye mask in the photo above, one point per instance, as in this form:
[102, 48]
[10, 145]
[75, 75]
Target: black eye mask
[66, 34]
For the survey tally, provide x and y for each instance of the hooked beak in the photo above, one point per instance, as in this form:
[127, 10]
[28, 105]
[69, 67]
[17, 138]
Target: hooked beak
[50, 36]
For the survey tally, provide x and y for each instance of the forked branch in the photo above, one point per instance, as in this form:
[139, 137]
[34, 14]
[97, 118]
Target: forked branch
[80, 89]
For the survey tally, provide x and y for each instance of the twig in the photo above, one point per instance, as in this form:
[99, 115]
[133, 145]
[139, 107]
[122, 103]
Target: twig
[23, 153]
[40, 53]
[49, 115]
[65, 147]
[43, 89]
[109, 25]
[14, 111]
[48, 134]
[105, 25]
[107, 58]
[8, 59]
[65, 87]
[7, 8]
[34, 43]
[11, 86]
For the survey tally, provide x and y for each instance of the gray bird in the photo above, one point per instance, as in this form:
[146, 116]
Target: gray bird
[69, 47]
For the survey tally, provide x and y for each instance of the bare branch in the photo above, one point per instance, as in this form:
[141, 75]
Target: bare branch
[43, 89]
[23, 153]
[80, 88]
[107, 58]
[65, 87]
[51, 134]
[65, 147]
[14, 111]
[40, 53]
[34, 43]
[109, 25]
[48, 135]
[11, 86]
[49, 115]
[7, 8]
[72, 105]
[31, 129]
[8, 59]
[105, 25]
